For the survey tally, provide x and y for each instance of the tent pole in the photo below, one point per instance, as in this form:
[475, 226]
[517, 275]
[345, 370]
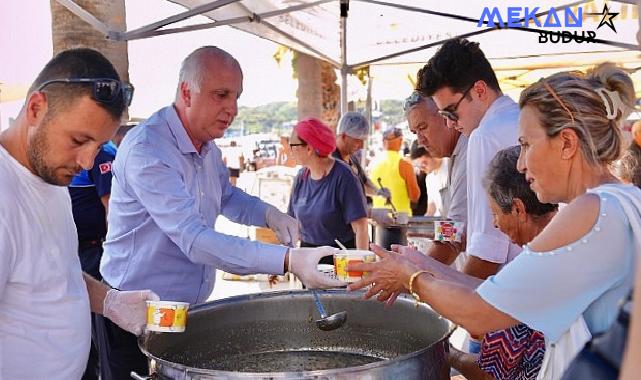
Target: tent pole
[344, 69]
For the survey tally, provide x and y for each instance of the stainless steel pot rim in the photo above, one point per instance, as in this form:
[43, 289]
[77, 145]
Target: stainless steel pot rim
[288, 374]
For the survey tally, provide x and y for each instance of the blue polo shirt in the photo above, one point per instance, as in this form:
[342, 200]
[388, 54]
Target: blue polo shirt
[86, 189]
[326, 207]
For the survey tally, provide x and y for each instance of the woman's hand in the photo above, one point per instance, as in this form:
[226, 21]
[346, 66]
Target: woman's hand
[388, 276]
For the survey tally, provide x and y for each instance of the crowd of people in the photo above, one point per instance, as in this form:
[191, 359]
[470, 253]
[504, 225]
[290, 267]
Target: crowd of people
[91, 231]
[557, 277]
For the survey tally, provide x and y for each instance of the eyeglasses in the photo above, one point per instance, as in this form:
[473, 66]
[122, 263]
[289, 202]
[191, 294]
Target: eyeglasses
[412, 100]
[291, 145]
[105, 90]
[450, 112]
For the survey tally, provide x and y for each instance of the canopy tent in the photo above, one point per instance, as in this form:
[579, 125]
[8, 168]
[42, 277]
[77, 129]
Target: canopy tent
[358, 33]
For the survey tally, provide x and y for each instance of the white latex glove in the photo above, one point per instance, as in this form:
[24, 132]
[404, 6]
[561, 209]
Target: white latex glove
[285, 227]
[303, 263]
[128, 309]
[384, 192]
[382, 215]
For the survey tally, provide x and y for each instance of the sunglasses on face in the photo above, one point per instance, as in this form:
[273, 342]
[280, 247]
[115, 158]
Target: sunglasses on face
[105, 90]
[291, 145]
[450, 112]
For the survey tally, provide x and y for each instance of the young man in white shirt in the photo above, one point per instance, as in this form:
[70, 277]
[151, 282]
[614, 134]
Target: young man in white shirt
[72, 108]
[464, 87]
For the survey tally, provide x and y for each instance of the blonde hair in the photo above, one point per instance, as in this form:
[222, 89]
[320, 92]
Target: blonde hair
[575, 100]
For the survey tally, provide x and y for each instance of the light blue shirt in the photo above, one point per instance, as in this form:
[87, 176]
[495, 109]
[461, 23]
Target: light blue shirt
[548, 291]
[165, 199]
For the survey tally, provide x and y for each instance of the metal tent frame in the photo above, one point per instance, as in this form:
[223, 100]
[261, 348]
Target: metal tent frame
[280, 35]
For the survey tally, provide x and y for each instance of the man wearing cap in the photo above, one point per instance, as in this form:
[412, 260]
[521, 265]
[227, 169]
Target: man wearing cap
[353, 130]
[396, 174]
[169, 186]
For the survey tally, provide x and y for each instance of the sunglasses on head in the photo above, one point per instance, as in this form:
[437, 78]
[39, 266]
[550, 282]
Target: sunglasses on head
[450, 112]
[105, 90]
[412, 100]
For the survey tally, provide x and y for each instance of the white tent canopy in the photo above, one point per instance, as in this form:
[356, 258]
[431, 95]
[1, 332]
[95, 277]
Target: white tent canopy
[379, 31]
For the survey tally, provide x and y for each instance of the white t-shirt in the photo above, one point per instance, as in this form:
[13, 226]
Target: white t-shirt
[45, 324]
[232, 156]
[497, 130]
[435, 182]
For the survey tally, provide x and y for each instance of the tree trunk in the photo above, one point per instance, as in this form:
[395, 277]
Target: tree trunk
[331, 95]
[318, 93]
[69, 31]
[309, 87]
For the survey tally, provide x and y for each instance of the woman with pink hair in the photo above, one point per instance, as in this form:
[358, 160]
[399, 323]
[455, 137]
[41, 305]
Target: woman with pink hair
[327, 198]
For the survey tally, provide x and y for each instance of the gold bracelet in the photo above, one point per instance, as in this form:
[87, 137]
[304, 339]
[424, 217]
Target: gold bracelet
[411, 282]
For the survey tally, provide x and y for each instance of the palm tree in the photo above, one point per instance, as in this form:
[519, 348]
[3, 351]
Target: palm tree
[69, 31]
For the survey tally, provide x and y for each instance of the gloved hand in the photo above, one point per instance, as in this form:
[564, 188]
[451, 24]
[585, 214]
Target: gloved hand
[384, 192]
[285, 227]
[382, 216]
[128, 309]
[303, 263]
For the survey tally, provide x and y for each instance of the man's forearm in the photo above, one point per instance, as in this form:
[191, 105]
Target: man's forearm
[97, 293]
[445, 252]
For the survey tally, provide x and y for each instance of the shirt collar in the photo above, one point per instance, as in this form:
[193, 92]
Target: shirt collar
[461, 144]
[497, 106]
[180, 134]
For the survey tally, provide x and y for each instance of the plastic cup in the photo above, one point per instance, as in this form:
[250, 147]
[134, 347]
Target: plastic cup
[166, 316]
[448, 231]
[342, 258]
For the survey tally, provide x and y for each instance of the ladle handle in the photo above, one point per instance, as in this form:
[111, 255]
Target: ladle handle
[388, 201]
[319, 305]
[136, 376]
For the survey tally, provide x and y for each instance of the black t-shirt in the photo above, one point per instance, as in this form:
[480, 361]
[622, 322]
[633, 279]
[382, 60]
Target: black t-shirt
[420, 207]
[355, 165]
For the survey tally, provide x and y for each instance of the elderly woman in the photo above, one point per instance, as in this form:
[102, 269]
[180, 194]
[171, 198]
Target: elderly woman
[581, 264]
[327, 198]
[517, 352]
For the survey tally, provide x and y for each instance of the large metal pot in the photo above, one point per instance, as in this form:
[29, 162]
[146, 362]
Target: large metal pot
[273, 336]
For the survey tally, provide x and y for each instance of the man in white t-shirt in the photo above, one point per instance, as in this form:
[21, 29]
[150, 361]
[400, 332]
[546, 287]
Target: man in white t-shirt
[464, 87]
[72, 108]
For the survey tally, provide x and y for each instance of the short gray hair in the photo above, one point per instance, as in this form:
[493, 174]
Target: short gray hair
[503, 183]
[193, 70]
[416, 99]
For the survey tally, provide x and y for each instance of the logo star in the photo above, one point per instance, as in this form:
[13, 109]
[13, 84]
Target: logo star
[607, 18]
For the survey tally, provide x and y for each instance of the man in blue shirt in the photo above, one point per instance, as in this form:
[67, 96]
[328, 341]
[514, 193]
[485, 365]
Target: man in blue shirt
[89, 191]
[169, 186]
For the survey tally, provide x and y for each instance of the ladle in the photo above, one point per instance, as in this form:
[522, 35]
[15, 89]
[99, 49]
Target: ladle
[328, 323]
[388, 201]
[334, 321]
